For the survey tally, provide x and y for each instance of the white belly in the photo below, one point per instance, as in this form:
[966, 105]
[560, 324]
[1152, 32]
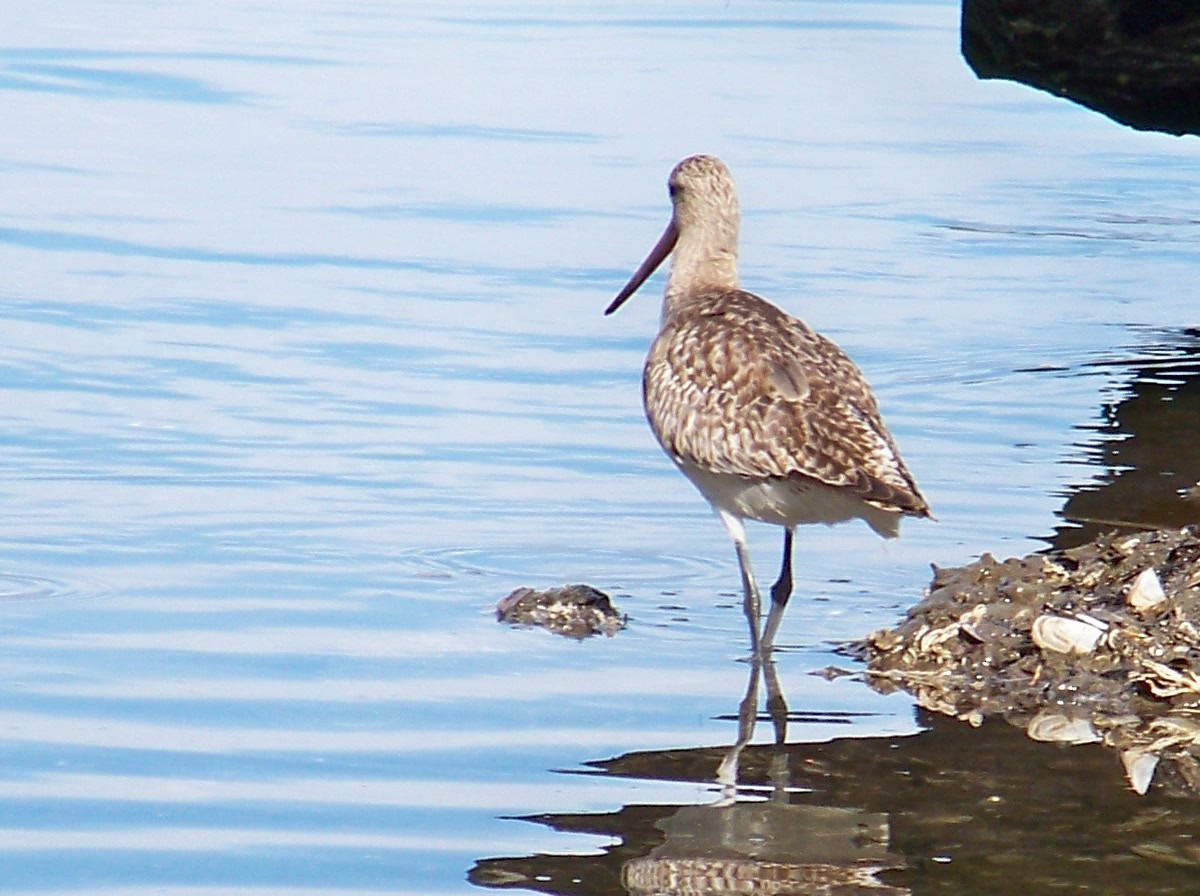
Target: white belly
[788, 502]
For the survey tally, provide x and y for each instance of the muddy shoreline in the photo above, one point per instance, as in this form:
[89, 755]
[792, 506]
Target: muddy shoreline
[1094, 644]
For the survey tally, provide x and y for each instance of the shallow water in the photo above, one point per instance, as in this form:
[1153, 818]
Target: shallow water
[303, 367]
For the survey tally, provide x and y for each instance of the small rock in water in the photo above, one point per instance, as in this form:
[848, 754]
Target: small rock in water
[574, 611]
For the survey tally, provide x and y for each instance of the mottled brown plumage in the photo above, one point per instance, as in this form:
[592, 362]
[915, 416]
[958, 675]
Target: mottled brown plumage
[770, 420]
[737, 387]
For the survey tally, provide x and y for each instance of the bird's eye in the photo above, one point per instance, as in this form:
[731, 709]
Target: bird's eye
[673, 190]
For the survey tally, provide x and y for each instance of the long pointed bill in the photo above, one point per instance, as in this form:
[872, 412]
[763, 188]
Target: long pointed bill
[661, 250]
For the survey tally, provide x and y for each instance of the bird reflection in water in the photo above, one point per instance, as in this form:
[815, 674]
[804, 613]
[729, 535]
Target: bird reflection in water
[752, 838]
[742, 845]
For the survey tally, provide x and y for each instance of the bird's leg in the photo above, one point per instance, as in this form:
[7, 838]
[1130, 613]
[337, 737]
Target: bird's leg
[752, 602]
[780, 592]
[782, 589]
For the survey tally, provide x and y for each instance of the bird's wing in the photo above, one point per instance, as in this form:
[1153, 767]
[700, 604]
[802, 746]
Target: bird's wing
[751, 391]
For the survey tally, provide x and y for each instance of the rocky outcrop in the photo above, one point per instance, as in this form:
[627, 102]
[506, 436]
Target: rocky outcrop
[1136, 61]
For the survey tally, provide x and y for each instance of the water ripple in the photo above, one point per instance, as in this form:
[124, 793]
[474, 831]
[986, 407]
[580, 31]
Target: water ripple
[649, 568]
[17, 587]
[113, 83]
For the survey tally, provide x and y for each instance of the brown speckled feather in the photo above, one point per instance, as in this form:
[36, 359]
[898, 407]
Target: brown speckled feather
[734, 385]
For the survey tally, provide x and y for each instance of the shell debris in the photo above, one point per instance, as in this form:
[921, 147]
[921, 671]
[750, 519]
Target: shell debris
[1063, 634]
[1099, 642]
[1146, 592]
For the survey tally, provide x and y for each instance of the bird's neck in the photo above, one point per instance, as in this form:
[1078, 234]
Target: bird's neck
[701, 265]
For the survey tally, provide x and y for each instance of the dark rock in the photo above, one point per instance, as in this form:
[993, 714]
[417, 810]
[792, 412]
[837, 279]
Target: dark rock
[574, 611]
[1136, 61]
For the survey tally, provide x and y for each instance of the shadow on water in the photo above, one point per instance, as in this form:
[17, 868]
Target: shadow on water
[1145, 445]
[952, 809]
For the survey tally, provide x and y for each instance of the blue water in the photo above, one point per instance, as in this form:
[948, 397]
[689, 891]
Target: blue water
[302, 367]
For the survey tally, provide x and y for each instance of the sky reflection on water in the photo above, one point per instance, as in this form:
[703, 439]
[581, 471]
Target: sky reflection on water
[303, 367]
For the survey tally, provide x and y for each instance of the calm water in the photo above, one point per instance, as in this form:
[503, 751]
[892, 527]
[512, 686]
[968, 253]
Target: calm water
[302, 367]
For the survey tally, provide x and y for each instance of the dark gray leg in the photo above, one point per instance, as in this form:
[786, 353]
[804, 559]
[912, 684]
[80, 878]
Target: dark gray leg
[782, 589]
[780, 592]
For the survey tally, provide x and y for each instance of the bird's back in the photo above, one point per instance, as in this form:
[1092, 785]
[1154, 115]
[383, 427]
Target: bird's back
[733, 386]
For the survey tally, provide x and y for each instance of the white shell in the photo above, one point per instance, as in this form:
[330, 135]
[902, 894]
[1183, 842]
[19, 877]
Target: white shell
[1146, 591]
[1063, 635]
[1139, 769]
[1056, 727]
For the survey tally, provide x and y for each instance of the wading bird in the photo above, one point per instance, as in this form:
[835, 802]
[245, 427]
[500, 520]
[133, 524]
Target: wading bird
[768, 419]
